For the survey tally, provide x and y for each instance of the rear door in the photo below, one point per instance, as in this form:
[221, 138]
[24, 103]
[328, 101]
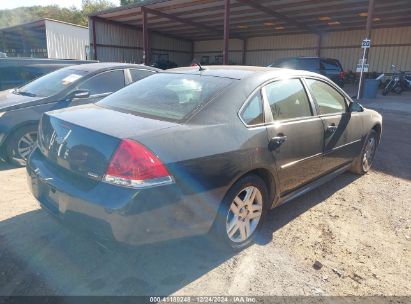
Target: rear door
[295, 133]
[100, 86]
[342, 129]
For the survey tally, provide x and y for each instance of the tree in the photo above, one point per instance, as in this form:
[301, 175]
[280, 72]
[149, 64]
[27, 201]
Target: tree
[91, 6]
[72, 15]
[127, 2]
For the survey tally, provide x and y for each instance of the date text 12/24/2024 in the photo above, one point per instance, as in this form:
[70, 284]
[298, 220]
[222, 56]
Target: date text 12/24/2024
[203, 299]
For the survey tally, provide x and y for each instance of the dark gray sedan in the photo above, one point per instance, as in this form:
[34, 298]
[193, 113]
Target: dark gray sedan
[193, 150]
[21, 109]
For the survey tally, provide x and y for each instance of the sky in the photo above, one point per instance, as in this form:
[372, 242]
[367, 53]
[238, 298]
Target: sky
[9, 4]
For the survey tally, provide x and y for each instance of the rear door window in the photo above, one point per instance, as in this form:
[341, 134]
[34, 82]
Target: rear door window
[138, 74]
[288, 99]
[104, 83]
[329, 100]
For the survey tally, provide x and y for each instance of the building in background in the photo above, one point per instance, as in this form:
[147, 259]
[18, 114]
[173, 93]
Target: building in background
[45, 39]
[254, 32]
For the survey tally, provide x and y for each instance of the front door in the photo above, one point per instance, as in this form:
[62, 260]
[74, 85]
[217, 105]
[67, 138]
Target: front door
[342, 129]
[295, 134]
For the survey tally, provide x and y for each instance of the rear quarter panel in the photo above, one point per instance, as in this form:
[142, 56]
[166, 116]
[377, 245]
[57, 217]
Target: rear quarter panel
[214, 149]
[205, 161]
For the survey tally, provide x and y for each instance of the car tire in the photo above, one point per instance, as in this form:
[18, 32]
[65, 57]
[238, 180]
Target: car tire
[398, 90]
[20, 144]
[237, 230]
[363, 162]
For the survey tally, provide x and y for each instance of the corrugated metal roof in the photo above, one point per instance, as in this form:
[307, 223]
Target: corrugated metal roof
[300, 16]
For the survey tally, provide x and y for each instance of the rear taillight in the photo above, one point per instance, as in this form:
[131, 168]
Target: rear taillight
[342, 75]
[133, 165]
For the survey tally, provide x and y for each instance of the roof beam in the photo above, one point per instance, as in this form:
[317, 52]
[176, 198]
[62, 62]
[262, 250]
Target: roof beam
[138, 27]
[182, 20]
[275, 14]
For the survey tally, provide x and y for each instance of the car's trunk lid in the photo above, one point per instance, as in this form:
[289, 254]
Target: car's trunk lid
[83, 139]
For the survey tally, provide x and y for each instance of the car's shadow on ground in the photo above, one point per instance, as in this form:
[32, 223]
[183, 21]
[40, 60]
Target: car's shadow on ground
[280, 216]
[40, 256]
[4, 166]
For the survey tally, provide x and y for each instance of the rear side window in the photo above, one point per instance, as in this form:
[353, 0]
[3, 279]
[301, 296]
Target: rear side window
[253, 112]
[328, 99]
[288, 99]
[138, 74]
[104, 83]
[166, 95]
[308, 64]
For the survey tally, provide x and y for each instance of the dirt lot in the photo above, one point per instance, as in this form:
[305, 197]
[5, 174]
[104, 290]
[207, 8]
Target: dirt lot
[358, 228]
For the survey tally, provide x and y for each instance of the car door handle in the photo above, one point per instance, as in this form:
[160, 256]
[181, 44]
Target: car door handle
[331, 128]
[276, 141]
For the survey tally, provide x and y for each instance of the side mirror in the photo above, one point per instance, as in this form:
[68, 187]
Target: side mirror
[78, 94]
[355, 107]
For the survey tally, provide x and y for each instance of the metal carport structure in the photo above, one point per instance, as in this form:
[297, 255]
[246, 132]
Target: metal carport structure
[245, 31]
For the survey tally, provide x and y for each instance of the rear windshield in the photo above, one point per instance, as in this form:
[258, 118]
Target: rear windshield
[168, 96]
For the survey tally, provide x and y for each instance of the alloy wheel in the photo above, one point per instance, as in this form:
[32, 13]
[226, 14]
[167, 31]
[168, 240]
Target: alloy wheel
[26, 144]
[244, 214]
[369, 153]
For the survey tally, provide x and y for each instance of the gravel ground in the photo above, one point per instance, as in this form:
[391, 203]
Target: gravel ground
[356, 230]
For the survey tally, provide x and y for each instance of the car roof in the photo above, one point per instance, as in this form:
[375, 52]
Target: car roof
[238, 72]
[94, 67]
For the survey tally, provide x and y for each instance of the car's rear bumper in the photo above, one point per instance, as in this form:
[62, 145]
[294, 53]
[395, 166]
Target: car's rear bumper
[112, 212]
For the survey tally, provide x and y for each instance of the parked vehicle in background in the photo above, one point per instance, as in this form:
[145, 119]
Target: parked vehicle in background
[406, 80]
[21, 109]
[350, 77]
[395, 83]
[195, 150]
[328, 67]
[164, 64]
[15, 72]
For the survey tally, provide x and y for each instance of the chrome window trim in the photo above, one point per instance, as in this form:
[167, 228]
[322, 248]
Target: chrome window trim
[317, 155]
[246, 103]
[342, 146]
[313, 104]
[300, 160]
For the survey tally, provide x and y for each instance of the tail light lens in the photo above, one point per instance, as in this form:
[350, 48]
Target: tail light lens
[133, 165]
[342, 75]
